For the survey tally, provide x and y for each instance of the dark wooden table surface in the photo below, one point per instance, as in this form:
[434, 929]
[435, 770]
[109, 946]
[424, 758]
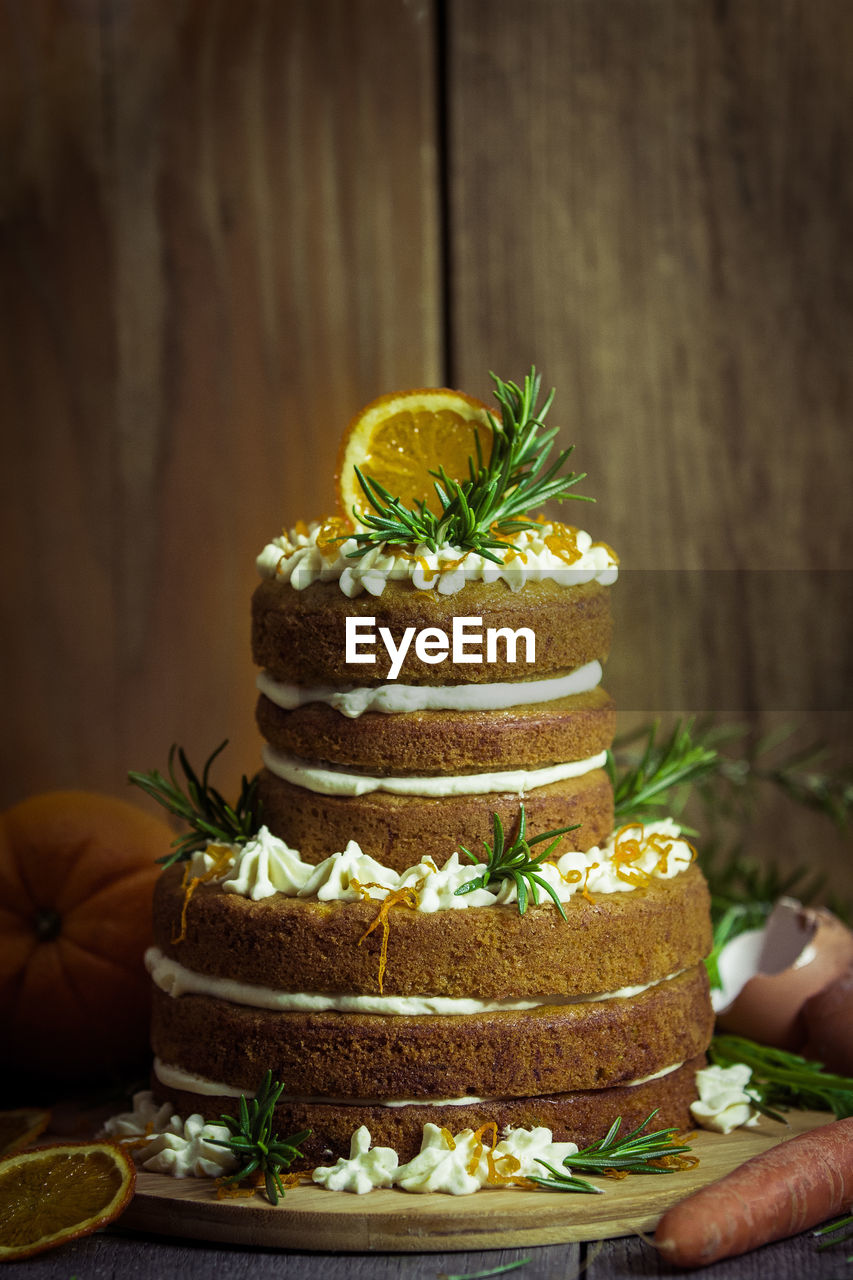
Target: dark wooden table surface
[125, 1256]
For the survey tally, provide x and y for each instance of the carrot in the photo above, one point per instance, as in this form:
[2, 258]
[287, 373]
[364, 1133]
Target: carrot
[779, 1193]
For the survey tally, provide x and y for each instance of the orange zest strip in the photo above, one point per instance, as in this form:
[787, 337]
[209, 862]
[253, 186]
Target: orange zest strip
[245, 1189]
[428, 572]
[628, 849]
[676, 1162]
[223, 858]
[563, 542]
[406, 897]
[329, 534]
[585, 891]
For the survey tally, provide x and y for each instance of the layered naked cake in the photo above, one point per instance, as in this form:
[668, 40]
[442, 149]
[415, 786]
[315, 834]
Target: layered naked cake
[483, 1014]
[429, 711]
[418, 765]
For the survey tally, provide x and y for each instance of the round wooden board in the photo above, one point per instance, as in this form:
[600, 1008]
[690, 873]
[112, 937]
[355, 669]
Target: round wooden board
[398, 1221]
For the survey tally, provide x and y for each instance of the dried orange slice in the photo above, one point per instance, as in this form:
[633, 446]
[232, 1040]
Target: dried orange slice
[20, 1127]
[400, 438]
[57, 1193]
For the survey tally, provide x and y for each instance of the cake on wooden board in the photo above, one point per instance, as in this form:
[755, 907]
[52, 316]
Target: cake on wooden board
[421, 699]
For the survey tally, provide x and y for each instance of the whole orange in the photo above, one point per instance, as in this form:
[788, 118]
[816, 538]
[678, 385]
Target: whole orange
[77, 873]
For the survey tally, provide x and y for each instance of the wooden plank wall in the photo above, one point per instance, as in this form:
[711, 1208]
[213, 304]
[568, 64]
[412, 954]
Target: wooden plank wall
[226, 224]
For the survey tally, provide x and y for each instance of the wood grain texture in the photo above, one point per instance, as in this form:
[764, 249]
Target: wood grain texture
[135, 1257]
[652, 202]
[219, 238]
[403, 1222]
[220, 233]
[788, 1260]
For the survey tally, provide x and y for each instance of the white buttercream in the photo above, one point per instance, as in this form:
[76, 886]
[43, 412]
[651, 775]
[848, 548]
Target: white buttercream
[176, 980]
[263, 866]
[458, 1166]
[392, 699]
[631, 856]
[343, 876]
[341, 782]
[296, 558]
[164, 1143]
[365, 1169]
[147, 1116]
[188, 1082]
[436, 887]
[440, 1166]
[529, 1147]
[724, 1103]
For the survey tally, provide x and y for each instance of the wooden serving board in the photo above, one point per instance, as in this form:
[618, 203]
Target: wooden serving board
[398, 1221]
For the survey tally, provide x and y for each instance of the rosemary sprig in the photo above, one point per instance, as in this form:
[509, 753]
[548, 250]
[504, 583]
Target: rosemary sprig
[513, 861]
[255, 1145]
[637, 1152]
[841, 1224]
[643, 790]
[479, 513]
[489, 1271]
[781, 1079]
[199, 804]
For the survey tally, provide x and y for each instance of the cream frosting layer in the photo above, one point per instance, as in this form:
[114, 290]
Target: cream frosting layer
[393, 699]
[725, 1102]
[309, 554]
[341, 782]
[457, 1165]
[177, 980]
[188, 1082]
[180, 1148]
[631, 857]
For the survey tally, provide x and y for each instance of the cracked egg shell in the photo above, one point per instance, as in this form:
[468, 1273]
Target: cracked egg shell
[768, 974]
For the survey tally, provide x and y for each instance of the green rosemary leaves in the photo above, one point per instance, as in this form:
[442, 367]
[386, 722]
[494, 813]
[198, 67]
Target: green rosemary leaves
[637, 1152]
[782, 1079]
[679, 761]
[513, 861]
[200, 805]
[253, 1142]
[479, 513]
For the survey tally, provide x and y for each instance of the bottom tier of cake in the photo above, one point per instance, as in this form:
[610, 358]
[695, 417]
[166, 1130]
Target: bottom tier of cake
[581, 1116]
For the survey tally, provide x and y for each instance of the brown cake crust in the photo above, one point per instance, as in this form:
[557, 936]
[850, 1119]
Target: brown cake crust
[579, 1117]
[549, 1049]
[444, 742]
[401, 830]
[291, 944]
[299, 636]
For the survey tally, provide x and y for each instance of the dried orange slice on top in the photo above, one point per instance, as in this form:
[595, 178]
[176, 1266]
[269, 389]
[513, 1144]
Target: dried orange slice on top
[400, 438]
[54, 1194]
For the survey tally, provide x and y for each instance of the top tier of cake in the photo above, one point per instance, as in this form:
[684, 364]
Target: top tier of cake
[407, 698]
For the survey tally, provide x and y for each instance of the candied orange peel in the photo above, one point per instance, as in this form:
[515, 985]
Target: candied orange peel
[189, 883]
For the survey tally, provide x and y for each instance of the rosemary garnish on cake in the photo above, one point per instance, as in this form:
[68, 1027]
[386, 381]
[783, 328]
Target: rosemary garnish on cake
[480, 513]
[512, 860]
[252, 1141]
[642, 790]
[637, 1152]
[196, 802]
